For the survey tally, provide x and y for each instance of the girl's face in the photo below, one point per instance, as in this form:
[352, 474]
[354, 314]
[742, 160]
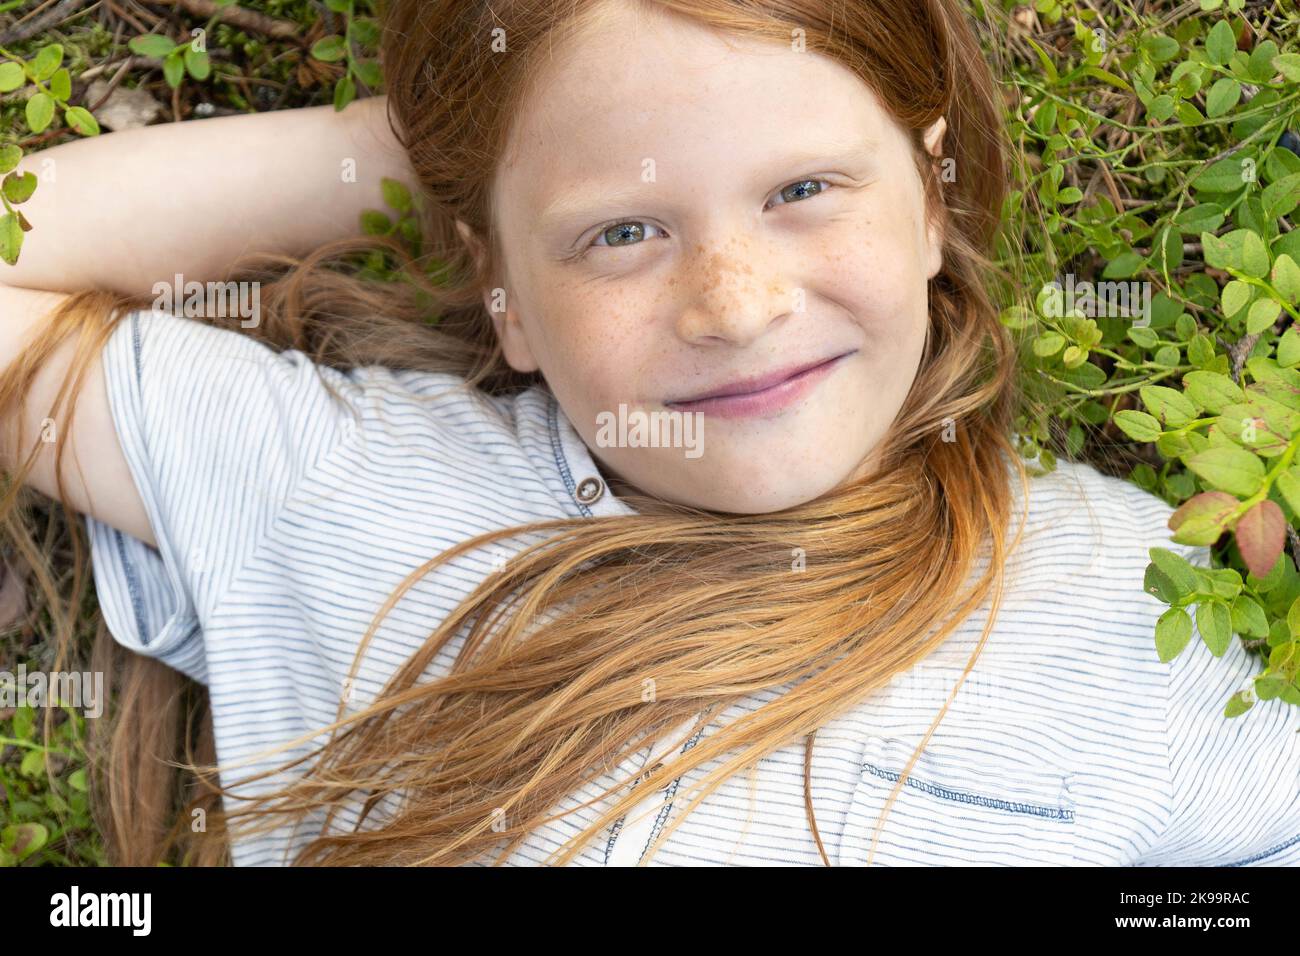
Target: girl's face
[679, 211]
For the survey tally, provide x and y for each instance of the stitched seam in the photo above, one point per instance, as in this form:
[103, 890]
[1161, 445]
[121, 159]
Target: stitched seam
[133, 585]
[961, 796]
[671, 793]
[1259, 856]
[557, 446]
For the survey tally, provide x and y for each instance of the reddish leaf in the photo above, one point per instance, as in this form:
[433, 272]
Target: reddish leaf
[1261, 533]
[1202, 518]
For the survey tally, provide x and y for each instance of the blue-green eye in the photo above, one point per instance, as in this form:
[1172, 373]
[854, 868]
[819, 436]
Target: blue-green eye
[632, 232]
[801, 190]
[627, 233]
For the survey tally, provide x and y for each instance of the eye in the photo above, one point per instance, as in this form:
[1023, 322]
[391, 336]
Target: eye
[631, 232]
[627, 233]
[803, 189]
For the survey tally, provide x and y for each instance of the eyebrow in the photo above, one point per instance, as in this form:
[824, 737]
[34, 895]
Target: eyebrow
[578, 201]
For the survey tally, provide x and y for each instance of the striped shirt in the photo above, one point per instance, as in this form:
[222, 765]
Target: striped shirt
[289, 500]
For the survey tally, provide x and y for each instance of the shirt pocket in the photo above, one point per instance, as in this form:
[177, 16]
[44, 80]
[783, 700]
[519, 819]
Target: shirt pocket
[958, 809]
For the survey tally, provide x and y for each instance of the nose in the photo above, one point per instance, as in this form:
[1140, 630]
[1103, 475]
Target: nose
[737, 292]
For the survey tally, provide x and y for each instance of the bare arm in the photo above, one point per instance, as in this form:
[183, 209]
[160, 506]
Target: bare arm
[95, 474]
[124, 210]
[127, 209]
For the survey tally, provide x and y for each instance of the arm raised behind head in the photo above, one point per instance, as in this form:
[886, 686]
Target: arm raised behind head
[96, 480]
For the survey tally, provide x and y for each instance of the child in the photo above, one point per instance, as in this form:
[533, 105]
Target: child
[734, 646]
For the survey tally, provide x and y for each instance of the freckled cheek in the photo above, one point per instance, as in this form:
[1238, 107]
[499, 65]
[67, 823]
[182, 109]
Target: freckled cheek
[598, 339]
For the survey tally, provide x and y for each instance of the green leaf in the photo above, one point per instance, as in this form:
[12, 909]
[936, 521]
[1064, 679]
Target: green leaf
[1174, 566]
[18, 188]
[1223, 96]
[1238, 704]
[197, 63]
[1254, 254]
[24, 839]
[1161, 108]
[11, 77]
[1160, 47]
[365, 31]
[1214, 621]
[1288, 64]
[1220, 44]
[151, 44]
[1262, 315]
[1288, 483]
[1288, 348]
[1248, 617]
[1123, 266]
[370, 73]
[46, 61]
[1261, 61]
[1143, 336]
[1235, 296]
[1233, 470]
[40, 111]
[1049, 68]
[345, 91]
[81, 120]
[1173, 631]
[375, 223]
[1286, 278]
[11, 237]
[61, 85]
[10, 156]
[1225, 176]
[339, 6]
[329, 49]
[1280, 198]
[174, 68]
[396, 195]
[1205, 217]
[1138, 425]
[1170, 406]
[1212, 391]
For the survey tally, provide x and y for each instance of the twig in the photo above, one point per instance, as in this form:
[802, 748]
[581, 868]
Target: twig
[239, 17]
[1238, 352]
[29, 28]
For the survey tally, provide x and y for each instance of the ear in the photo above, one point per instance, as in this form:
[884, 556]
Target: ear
[934, 230]
[514, 344]
[934, 137]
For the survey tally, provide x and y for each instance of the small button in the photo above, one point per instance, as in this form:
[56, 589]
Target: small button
[589, 490]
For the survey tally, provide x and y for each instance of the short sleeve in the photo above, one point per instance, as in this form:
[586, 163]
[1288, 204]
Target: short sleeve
[1235, 780]
[217, 430]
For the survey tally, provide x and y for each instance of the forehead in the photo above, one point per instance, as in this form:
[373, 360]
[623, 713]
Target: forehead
[637, 87]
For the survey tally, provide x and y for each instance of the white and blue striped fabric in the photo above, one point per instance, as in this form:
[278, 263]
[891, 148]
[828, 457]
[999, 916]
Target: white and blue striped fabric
[289, 501]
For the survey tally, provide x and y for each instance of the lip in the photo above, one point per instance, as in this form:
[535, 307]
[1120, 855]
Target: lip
[762, 395]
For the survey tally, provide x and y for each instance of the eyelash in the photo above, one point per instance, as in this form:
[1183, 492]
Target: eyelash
[600, 230]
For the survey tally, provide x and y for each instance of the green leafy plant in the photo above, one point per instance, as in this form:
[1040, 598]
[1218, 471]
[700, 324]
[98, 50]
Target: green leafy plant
[53, 88]
[360, 33]
[47, 819]
[1164, 163]
[404, 226]
[189, 56]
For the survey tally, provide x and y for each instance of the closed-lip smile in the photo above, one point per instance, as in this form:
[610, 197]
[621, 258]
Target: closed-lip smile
[758, 383]
[765, 396]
